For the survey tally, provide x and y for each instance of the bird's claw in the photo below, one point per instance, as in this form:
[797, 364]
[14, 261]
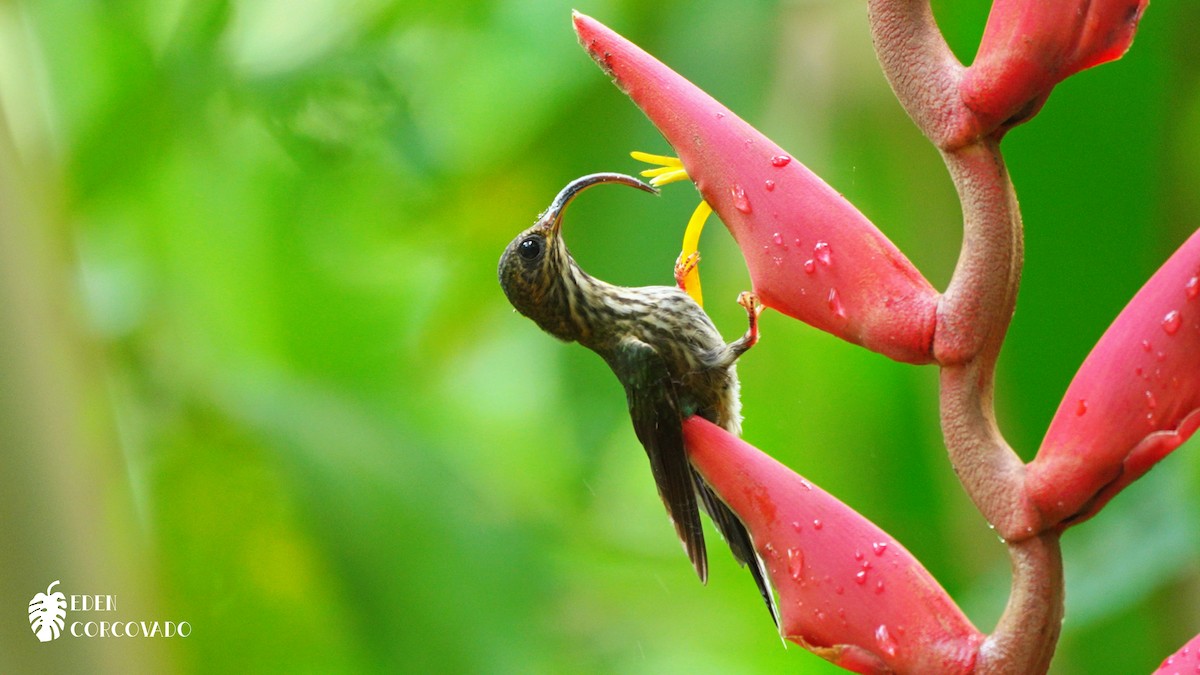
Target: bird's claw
[683, 266]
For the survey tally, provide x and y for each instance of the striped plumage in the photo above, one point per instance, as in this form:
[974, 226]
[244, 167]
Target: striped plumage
[663, 348]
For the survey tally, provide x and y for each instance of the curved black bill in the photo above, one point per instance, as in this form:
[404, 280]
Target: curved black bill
[555, 213]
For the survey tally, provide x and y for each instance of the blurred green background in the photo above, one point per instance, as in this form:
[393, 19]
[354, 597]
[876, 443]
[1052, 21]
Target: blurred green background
[256, 372]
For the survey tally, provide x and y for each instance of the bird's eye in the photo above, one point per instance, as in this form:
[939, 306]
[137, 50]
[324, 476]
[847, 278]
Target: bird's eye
[530, 249]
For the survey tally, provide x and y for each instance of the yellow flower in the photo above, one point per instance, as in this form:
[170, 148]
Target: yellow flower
[687, 265]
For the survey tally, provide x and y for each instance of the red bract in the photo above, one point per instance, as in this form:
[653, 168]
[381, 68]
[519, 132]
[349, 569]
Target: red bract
[1135, 399]
[1186, 660]
[1031, 45]
[847, 590]
[810, 253]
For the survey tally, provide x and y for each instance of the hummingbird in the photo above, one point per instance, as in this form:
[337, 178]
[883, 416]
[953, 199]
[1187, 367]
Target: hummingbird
[662, 347]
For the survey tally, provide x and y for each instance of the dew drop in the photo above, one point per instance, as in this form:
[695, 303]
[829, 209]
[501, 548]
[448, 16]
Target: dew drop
[1172, 321]
[780, 160]
[1151, 402]
[810, 266]
[819, 614]
[840, 590]
[1081, 408]
[878, 587]
[860, 577]
[822, 253]
[805, 484]
[880, 547]
[858, 555]
[835, 304]
[817, 524]
[1192, 288]
[1138, 371]
[740, 201]
[778, 239]
[1146, 346]
[797, 526]
[770, 185]
[720, 115]
[883, 638]
[795, 563]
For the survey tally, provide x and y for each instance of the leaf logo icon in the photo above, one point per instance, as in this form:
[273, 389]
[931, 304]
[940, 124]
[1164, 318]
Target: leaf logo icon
[47, 613]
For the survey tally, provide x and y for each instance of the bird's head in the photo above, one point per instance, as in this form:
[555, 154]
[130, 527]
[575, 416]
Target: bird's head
[535, 269]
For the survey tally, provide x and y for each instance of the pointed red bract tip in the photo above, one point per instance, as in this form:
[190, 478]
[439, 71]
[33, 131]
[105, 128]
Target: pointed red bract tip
[1134, 400]
[1029, 46]
[847, 590]
[810, 253]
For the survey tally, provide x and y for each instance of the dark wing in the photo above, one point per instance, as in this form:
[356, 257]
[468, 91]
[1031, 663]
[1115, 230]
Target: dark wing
[738, 538]
[654, 408]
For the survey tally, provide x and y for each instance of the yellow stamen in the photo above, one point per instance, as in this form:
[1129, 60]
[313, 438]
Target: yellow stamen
[661, 160]
[670, 176]
[669, 169]
[691, 244]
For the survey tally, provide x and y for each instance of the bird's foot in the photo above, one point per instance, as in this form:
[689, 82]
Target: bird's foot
[684, 266]
[754, 307]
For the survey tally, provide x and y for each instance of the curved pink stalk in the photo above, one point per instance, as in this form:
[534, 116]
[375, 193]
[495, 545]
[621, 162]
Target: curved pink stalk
[1029, 46]
[810, 253]
[1186, 660]
[1134, 400]
[847, 590]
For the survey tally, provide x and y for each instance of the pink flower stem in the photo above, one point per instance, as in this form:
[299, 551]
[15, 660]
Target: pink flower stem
[973, 318]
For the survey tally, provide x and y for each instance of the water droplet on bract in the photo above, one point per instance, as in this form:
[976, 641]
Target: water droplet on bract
[840, 590]
[1081, 408]
[1172, 321]
[740, 201]
[805, 484]
[1151, 402]
[1146, 347]
[878, 587]
[810, 266]
[1192, 288]
[880, 547]
[1150, 419]
[769, 184]
[835, 304]
[887, 644]
[858, 555]
[780, 160]
[860, 577]
[797, 241]
[823, 253]
[819, 614]
[1138, 371]
[778, 239]
[720, 115]
[795, 563]
[1160, 357]
[797, 526]
[817, 524]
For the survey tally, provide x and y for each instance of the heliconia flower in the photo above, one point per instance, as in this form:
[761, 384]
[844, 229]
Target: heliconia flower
[847, 591]
[1186, 660]
[810, 253]
[1029, 46]
[1134, 400]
